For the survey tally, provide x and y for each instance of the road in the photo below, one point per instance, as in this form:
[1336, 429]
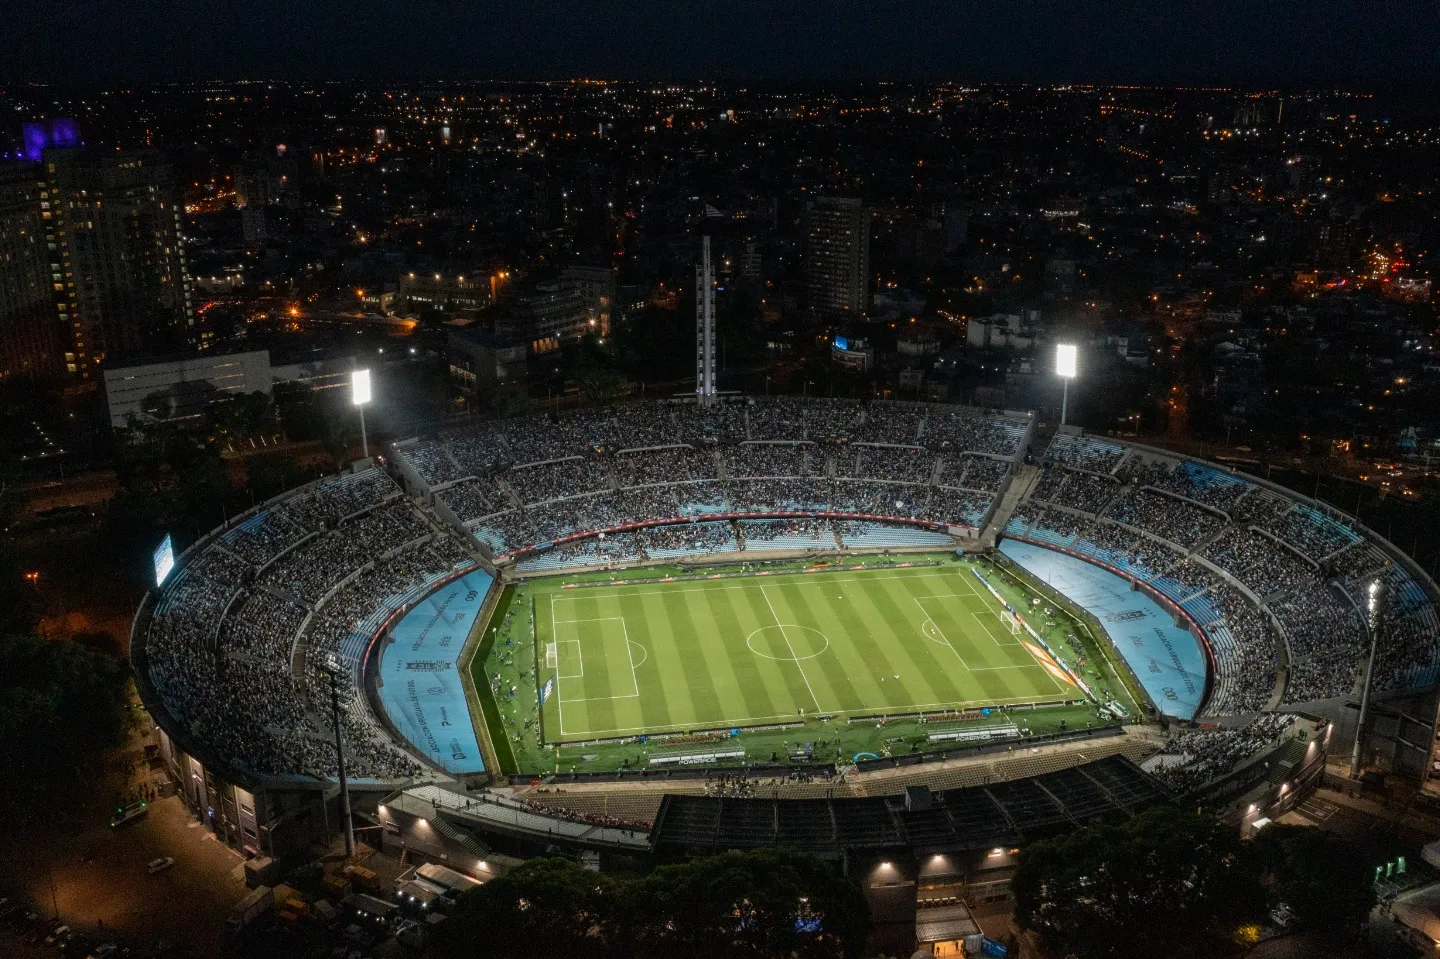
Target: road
[100, 883]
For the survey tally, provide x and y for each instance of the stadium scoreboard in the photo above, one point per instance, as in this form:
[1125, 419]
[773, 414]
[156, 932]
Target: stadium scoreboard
[164, 559]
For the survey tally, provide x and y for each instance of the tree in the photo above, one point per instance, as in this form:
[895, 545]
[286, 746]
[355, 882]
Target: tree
[765, 903]
[601, 384]
[1321, 877]
[1127, 890]
[769, 902]
[509, 403]
[235, 420]
[61, 704]
[546, 907]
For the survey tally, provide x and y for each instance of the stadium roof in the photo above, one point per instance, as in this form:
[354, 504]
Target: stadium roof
[979, 817]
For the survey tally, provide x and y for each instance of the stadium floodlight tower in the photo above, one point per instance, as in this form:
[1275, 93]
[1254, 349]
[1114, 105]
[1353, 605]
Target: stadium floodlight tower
[705, 325]
[359, 396]
[1065, 363]
[332, 669]
[1372, 626]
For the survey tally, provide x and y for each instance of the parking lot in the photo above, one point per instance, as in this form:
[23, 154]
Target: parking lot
[72, 860]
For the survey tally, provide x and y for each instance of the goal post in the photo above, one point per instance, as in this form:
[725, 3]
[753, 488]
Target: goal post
[552, 656]
[1009, 621]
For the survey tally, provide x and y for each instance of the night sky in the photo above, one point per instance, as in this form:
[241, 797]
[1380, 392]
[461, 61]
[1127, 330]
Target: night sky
[1390, 46]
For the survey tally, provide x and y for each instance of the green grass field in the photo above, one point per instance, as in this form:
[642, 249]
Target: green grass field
[647, 658]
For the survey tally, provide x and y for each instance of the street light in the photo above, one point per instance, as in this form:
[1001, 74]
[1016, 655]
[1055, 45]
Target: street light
[1065, 361]
[360, 395]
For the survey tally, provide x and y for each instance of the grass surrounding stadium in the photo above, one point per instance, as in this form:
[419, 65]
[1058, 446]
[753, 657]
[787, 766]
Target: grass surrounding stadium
[794, 655]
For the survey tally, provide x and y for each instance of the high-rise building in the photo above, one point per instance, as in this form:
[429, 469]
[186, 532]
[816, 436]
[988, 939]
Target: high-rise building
[31, 334]
[837, 256]
[544, 315]
[117, 259]
[597, 285]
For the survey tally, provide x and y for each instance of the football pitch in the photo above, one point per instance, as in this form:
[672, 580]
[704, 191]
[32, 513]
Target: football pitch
[620, 660]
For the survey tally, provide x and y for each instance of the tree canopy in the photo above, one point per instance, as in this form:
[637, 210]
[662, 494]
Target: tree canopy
[1177, 884]
[764, 903]
[61, 703]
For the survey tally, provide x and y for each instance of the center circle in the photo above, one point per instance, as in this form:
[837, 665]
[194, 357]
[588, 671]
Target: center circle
[787, 643]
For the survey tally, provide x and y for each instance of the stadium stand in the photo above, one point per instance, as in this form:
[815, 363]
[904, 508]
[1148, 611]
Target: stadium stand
[238, 643]
[976, 817]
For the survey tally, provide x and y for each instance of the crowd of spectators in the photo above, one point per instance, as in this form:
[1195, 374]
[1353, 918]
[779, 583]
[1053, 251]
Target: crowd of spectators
[434, 463]
[1260, 563]
[1407, 649]
[878, 499]
[588, 817]
[503, 530]
[611, 548]
[1245, 654]
[581, 514]
[222, 639]
[472, 499]
[721, 423]
[1047, 488]
[758, 496]
[1084, 452]
[1327, 643]
[1204, 484]
[557, 479]
[759, 533]
[310, 569]
[957, 507]
[773, 459]
[1087, 492]
[896, 464]
[672, 464]
[1169, 518]
[1311, 532]
[978, 473]
[1204, 755]
[688, 537]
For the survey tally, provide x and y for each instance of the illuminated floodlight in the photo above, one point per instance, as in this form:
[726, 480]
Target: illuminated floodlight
[359, 396]
[1066, 355]
[360, 387]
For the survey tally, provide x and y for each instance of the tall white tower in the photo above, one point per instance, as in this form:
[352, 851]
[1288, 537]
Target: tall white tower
[705, 326]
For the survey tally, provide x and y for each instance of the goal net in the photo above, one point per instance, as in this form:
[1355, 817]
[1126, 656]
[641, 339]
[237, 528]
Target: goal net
[552, 656]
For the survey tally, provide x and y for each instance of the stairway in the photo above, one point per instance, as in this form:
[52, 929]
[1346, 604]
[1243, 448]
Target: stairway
[1021, 482]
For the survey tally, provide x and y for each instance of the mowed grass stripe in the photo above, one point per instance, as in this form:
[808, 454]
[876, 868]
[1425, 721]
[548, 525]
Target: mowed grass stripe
[938, 674]
[856, 649]
[860, 669]
[681, 684]
[803, 640]
[784, 678]
[697, 639]
[735, 621]
[713, 651]
[654, 709]
[595, 688]
[699, 672]
[918, 658]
